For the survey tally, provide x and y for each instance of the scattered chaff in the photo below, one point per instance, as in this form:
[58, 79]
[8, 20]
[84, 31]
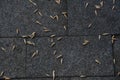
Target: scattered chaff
[59, 56]
[86, 5]
[96, 12]
[83, 76]
[2, 73]
[65, 14]
[6, 78]
[38, 22]
[52, 44]
[86, 42]
[97, 61]
[3, 49]
[30, 43]
[57, 1]
[114, 1]
[32, 35]
[45, 29]
[32, 2]
[99, 37]
[13, 47]
[24, 40]
[97, 6]
[113, 38]
[105, 34]
[17, 31]
[54, 17]
[61, 60]
[34, 53]
[114, 61]
[54, 52]
[53, 35]
[53, 74]
[25, 36]
[40, 13]
[89, 25]
[65, 27]
[59, 38]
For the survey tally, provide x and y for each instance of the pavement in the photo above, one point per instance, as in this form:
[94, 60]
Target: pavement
[66, 40]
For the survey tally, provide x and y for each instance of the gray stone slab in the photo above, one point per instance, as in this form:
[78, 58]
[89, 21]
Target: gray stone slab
[19, 14]
[41, 64]
[80, 60]
[12, 60]
[77, 59]
[106, 21]
[116, 53]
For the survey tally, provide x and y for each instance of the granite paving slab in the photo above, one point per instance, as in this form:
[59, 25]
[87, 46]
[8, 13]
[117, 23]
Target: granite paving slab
[93, 17]
[70, 56]
[12, 59]
[45, 17]
[92, 58]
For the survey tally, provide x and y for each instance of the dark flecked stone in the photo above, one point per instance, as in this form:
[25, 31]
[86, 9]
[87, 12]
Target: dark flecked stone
[106, 21]
[42, 63]
[117, 55]
[19, 14]
[12, 62]
[80, 60]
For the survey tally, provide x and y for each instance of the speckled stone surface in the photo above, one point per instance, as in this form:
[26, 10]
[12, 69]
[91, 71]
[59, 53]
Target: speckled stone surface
[12, 60]
[82, 20]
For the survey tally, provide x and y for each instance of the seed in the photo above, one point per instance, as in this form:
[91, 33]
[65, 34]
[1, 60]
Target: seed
[97, 6]
[99, 37]
[59, 38]
[47, 74]
[89, 25]
[97, 61]
[101, 3]
[59, 56]
[114, 61]
[65, 14]
[51, 40]
[53, 74]
[25, 36]
[113, 38]
[53, 44]
[57, 1]
[36, 10]
[96, 12]
[54, 52]
[46, 29]
[54, 17]
[105, 34]
[83, 76]
[30, 43]
[40, 13]
[32, 2]
[113, 7]
[85, 42]
[2, 73]
[114, 1]
[61, 60]
[17, 31]
[34, 53]
[86, 5]
[25, 41]
[13, 47]
[52, 35]
[32, 35]
[6, 78]
[65, 28]
[118, 73]
[38, 22]
[3, 49]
